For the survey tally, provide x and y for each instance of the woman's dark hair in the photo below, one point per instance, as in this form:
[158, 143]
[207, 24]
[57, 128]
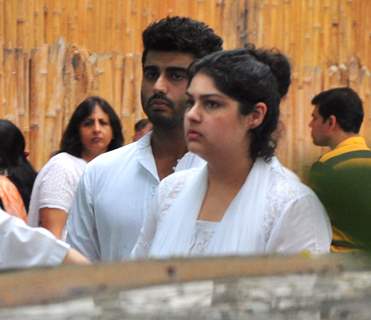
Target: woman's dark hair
[242, 77]
[71, 140]
[14, 161]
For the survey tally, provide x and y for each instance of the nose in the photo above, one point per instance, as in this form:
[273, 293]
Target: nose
[97, 126]
[193, 113]
[161, 84]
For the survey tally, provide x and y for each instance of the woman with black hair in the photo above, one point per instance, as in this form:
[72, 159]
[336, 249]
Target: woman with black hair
[93, 129]
[16, 173]
[243, 201]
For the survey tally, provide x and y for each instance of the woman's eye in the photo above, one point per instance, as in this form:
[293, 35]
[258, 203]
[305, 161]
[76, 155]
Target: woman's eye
[210, 104]
[189, 104]
[87, 123]
[103, 123]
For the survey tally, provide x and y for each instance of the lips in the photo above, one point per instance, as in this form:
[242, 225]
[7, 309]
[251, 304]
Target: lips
[159, 104]
[96, 140]
[193, 135]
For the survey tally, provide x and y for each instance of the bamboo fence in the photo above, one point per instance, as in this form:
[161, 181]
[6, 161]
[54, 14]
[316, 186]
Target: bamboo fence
[54, 53]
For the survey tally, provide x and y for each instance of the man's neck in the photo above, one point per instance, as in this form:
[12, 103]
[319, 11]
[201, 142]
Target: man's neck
[167, 147]
[340, 137]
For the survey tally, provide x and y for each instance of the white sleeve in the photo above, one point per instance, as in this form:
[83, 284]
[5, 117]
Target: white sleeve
[147, 233]
[24, 246]
[57, 188]
[81, 226]
[303, 226]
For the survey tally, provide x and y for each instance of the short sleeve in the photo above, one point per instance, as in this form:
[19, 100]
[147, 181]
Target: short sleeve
[58, 187]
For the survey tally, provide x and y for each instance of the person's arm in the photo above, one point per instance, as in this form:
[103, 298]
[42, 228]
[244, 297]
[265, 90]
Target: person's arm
[302, 226]
[81, 227]
[23, 246]
[75, 257]
[54, 220]
[58, 183]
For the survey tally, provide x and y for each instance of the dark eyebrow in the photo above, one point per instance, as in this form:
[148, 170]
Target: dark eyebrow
[176, 69]
[206, 96]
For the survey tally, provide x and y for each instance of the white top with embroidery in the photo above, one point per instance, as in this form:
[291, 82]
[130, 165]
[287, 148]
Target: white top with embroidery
[55, 185]
[273, 212]
[202, 236]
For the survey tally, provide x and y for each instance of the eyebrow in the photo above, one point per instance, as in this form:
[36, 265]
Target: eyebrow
[205, 96]
[170, 68]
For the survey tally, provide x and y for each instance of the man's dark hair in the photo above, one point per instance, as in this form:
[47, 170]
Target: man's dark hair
[71, 140]
[343, 103]
[180, 34]
[278, 63]
[140, 124]
[242, 77]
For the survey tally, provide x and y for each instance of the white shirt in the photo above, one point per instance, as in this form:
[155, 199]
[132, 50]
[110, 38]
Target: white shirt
[23, 246]
[55, 185]
[272, 213]
[113, 197]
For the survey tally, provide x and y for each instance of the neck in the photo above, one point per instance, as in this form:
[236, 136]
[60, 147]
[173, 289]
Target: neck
[167, 147]
[340, 137]
[230, 173]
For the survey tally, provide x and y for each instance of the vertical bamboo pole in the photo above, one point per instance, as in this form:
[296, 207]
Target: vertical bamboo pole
[39, 61]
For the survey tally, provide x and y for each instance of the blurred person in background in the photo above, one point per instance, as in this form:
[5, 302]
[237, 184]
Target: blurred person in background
[17, 175]
[141, 127]
[93, 129]
[342, 176]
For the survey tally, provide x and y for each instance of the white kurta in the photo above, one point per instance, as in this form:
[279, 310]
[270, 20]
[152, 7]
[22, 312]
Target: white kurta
[272, 213]
[23, 246]
[112, 199]
[55, 185]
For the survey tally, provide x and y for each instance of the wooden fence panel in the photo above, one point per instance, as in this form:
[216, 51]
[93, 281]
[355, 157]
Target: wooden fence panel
[43, 78]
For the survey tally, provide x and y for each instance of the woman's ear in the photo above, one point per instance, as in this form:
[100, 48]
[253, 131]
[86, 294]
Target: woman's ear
[256, 117]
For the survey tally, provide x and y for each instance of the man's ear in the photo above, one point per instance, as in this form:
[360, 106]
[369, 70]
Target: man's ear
[332, 121]
[256, 117]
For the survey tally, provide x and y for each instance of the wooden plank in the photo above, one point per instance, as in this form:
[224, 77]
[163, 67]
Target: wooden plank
[45, 285]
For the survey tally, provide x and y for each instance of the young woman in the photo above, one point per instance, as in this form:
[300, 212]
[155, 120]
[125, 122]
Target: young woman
[93, 129]
[241, 202]
[16, 173]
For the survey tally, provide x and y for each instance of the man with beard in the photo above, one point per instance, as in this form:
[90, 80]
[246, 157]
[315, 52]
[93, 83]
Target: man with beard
[117, 189]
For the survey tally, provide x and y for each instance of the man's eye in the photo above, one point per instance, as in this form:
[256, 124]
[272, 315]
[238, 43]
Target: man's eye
[150, 74]
[178, 76]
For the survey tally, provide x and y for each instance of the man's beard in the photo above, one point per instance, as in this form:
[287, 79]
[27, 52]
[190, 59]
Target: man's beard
[157, 118]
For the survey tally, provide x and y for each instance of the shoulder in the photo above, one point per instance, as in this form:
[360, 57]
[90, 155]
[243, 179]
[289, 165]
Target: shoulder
[175, 182]
[113, 158]
[62, 163]
[286, 187]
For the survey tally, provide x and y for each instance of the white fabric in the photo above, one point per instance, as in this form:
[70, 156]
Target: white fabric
[23, 246]
[273, 212]
[203, 233]
[55, 185]
[112, 199]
